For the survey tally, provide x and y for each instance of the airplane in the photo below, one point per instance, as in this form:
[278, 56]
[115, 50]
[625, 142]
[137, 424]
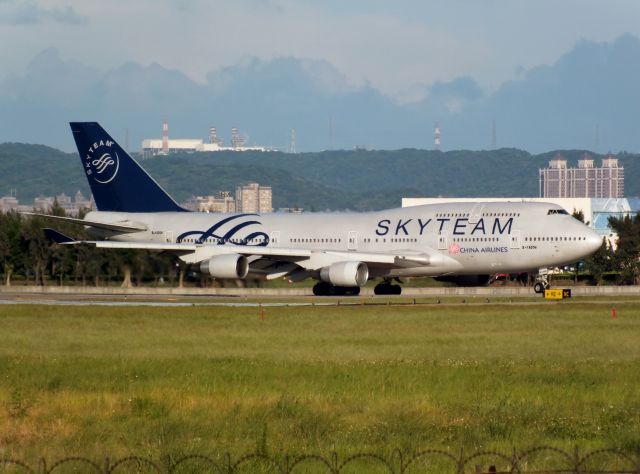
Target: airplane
[343, 251]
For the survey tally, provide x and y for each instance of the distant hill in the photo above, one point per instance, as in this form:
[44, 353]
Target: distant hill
[335, 180]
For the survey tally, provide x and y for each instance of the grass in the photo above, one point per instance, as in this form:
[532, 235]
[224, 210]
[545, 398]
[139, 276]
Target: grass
[98, 381]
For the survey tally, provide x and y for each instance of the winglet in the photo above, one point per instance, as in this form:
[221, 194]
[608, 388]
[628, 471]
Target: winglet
[57, 237]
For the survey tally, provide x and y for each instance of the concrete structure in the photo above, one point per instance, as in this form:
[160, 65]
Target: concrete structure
[9, 203]
[236, 140]
[251, 198]
[165, 138]
[214, 139]
[154, 146]
[81, 202]
[254, 198]
[71, 206]
[561, 181]
[224, 202]
[292, 142]
[596, 210]
[43, 203]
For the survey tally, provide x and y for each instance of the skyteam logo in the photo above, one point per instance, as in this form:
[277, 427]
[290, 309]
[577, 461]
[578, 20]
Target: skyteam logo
[233, 230]
[102, 163]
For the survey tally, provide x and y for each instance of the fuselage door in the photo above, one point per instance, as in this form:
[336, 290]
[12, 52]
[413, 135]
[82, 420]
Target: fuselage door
[274, 239]
[442, 242]
[352, 240]
[514, 239]
[168, 236]
[476, 213]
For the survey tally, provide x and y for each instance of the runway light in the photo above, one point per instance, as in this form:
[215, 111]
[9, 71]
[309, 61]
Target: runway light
[613, 313]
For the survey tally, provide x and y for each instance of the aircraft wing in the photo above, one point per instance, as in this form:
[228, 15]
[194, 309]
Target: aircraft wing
[305, 258]
[124, 226]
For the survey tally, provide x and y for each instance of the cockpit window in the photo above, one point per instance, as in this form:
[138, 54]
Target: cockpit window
[557, 211]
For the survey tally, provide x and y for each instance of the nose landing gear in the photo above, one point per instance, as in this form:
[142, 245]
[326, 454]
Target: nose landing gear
[542, 281]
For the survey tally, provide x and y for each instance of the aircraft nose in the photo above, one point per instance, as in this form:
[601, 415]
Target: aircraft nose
[594, 241]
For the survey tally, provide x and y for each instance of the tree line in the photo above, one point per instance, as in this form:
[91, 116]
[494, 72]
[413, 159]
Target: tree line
[624, 261]
[28, 256]
[329, 180]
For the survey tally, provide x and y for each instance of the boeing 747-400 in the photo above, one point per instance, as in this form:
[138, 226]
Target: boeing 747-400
[341, 250]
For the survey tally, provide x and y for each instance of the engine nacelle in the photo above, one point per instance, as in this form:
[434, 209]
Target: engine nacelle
[226, 266]
[345, 274]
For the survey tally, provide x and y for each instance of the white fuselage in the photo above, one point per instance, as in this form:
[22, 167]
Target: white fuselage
[459, 238]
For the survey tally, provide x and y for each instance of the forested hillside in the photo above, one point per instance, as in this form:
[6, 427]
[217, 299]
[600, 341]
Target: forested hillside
[358, 179]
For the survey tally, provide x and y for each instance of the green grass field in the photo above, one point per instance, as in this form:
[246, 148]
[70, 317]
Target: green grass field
[111, 381]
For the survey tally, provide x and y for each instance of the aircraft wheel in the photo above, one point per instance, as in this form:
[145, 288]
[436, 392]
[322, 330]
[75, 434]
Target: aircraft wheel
[322, 289]
[539, 287]
[387, 289]
[347, 290]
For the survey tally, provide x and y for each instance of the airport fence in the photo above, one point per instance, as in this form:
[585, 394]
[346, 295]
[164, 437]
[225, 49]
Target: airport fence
[539, 460]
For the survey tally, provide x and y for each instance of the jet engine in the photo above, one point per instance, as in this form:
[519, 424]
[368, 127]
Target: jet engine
[345, 274]
[226, 266]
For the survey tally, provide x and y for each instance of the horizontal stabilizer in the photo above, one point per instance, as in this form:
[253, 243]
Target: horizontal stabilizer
[125, 227]
[57, 237]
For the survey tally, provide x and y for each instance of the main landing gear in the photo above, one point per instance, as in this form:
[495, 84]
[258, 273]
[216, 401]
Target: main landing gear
[386, 288]
[327, 289]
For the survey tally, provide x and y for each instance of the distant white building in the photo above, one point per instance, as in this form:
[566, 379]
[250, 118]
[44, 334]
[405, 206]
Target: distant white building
[71, 206]
[43, 203]
[154, 146]
[224, 202]
[9, 203]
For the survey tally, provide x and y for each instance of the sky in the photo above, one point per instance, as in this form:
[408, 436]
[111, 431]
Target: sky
[400, 48]
[549, 74]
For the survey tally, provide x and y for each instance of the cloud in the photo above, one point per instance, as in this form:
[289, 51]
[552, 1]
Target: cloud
[66, 15]
[28, 12]
[400, 48]
[549, 107]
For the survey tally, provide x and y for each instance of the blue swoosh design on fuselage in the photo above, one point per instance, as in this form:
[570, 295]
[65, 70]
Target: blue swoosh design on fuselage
[226, 238]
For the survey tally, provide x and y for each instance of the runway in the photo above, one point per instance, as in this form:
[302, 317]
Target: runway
[180, 301]
[176, 304]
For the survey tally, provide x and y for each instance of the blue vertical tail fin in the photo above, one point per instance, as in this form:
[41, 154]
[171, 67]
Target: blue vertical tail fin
[117, 182]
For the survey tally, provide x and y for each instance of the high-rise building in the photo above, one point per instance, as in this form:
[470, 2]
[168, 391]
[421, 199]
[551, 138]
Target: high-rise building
[254, 198]
[560, 181]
